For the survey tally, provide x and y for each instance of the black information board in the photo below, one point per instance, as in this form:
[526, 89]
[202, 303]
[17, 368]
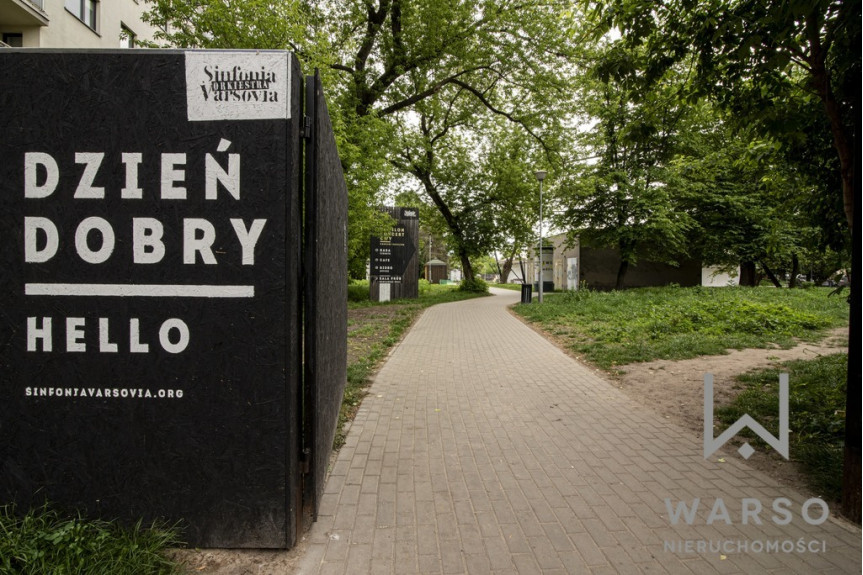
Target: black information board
[148, 358]
[393, 262]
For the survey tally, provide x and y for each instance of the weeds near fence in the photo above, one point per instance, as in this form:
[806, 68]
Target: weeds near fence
[44, 541]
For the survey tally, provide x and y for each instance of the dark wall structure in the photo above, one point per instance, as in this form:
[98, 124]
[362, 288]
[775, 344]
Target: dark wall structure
[393, 269]
[598, 269]
[435, 271]
[326, 333]
[152, 289]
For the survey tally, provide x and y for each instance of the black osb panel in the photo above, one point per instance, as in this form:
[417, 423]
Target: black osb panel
[326, 290]
[156, 399]
[394, 259]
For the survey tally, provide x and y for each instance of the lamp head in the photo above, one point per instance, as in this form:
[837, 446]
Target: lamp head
[540, 175]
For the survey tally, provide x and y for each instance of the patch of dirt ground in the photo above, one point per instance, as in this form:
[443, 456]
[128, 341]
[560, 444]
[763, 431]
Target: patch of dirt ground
[675, 389]
[240, 561]
[368, 326]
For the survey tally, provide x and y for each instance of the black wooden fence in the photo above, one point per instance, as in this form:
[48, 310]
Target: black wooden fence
[326, 290]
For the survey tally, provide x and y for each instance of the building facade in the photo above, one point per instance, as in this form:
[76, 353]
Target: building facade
[73, 23]
[574, 264]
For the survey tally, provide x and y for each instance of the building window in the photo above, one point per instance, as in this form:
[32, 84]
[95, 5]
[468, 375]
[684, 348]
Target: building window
[85, 10]
[127, 37]
[13, 39]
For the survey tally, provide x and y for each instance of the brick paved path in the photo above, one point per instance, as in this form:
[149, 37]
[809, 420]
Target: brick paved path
[484, 449]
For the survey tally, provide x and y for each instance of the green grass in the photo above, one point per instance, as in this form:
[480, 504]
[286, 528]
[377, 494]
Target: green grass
[429, 294]
[816, 406]
[405, 313]
[620, 327]
[44, 541]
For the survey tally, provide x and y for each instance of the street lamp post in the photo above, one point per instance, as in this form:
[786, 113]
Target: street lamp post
[540, 175]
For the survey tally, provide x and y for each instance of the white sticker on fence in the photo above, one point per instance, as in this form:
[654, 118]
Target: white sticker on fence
[237, 85]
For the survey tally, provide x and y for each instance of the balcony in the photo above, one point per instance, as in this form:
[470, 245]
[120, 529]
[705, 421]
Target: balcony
[23, 13]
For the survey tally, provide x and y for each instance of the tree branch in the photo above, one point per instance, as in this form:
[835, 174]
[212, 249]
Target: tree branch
[374, 21]
[342, 68]
[418, 97]
[494, 110]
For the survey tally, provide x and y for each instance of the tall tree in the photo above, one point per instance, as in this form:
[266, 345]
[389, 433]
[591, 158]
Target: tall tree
[621, 198]
[746, 202]
[381, 58]
[510, 165]
[752, 55]
[476, 169]
[437, 152]
[441, 60]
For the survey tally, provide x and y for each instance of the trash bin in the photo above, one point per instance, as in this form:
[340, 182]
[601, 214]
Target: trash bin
[526, 293]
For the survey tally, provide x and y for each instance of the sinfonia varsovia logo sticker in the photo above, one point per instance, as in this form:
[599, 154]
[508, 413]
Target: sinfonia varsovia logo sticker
[237, 85]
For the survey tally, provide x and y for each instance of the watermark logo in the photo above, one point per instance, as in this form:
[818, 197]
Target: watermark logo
[780, 444]
[753, 512]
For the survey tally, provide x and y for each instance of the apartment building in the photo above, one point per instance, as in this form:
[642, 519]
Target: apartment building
[73, 23]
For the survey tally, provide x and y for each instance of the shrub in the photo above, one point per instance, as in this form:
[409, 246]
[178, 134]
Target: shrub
[358, 291]
[476, 285]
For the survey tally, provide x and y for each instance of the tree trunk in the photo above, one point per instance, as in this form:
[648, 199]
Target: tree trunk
[843, 141]
[521, 265]
[507, 268]
[770, 275]
[466, 268]
[621, 274]
[851, 469]
[849, 165]
[747, 274]
[795, 270]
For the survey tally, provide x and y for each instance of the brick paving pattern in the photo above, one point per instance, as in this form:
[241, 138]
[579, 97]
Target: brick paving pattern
[482, 448]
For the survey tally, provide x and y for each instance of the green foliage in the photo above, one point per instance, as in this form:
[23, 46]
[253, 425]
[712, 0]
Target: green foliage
[476, 285]
[816, 414]
[362, 144]
[769, 63]
[358, 291]
[472, 177]
[622, 199]
[44, 541]
[383, 64]
[615, 328]
[748, 203]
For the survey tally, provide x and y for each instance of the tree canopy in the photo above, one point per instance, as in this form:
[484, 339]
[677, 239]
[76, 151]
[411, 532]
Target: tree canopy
[759, 59]
[440, 91]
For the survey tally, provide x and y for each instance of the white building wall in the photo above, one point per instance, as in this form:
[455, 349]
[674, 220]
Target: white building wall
[716, 277]
[65, 30]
